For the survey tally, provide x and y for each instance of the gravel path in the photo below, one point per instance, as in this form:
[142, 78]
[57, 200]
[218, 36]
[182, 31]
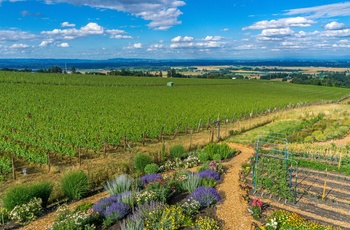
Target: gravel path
[233, 210]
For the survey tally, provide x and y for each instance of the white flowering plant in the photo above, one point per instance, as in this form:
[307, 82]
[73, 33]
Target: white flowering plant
[79, 220]
[25, 213]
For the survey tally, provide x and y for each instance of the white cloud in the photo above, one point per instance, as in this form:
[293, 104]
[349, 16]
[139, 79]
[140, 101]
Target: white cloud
[182, 39]
[324, 11]
[182, 45]
[67, 24]
[212, 38]
[91, 28]
[64, 45]
[122, 37]
[46, 42]
[334, 26]
[225, 29]
[19, 46]
[280, 23]
[163, 14]
[135, 46]
[155, 47]
[14, 35]
[245, 47]
[114, 32]
[275, 34]
[336, 33]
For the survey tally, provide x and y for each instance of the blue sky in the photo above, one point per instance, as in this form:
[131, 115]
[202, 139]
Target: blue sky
[181, 29]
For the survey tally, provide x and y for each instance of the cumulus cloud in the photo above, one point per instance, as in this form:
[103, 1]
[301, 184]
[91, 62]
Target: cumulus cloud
[64, 45]
[46, 42]
[280, 23]
[334, 26]
[155, 47]
[14, 35]
[122, 37]
[323, 11]
[182, 39]
[19, 46]
[135, 46]
[212, 38]
[90, 29]
[276, 33]
[163, 14]
[342, 44]
[67, 24]
[336, 33]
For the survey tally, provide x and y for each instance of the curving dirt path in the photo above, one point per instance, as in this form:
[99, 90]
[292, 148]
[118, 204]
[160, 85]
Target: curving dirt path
[233, 210]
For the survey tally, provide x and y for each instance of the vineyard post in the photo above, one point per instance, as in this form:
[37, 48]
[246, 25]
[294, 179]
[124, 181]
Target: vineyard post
[211, 134]
[124, 140]
[79, 154]
[190, 141]
[341, 154]
[161, 133]
[143, 139]
[208, 124]
[48, 161]
[324, 190]
[104, 149]
[199, 125]
[13, 168]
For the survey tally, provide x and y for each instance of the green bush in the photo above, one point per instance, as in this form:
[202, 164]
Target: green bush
[22, 194]
[177, 151]
[140, 162]
[25, 213]
[203, 157]
[151, 168]
[75, 184]
[217, 157]
[222, 149]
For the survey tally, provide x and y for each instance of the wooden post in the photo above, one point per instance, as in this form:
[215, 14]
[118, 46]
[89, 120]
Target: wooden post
[208, 124]
[48, 161]
[177, 130]
[339, 164]
[324, 190]
[104, 149]
[124, 139]
[13, 169]
[212, 134]
[161, 133]
[219, 138]
[199, 125]
[190, 141]
[143, 139]
[79, 153]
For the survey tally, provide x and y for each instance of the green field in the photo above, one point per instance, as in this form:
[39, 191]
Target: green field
[48, 113]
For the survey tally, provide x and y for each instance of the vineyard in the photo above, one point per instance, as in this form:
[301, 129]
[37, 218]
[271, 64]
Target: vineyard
[45, 114]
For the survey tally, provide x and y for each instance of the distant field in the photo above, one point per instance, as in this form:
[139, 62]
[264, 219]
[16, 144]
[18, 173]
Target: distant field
[43, 113]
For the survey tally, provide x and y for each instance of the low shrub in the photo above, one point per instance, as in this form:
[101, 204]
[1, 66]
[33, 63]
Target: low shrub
[203, 157]
[140, 162]
[223, 150]
[191, 207]
[120, 184]
[25, 213]
[172, 217]
[206, 222]
[102, 204]
[177, 151]
[206, 196]
[217, 157]
[22, 194]
[77, 220]
[75, 185]
[151, 168]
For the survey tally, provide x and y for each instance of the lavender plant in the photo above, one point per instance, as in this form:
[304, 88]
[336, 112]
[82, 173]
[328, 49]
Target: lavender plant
[150, 178]
[116, 211]
[206, 196]
[209, 174]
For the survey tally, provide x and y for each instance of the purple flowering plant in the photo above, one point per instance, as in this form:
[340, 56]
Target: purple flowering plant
[206, 196]
[209, 174]
[116, 211]
[151, 178]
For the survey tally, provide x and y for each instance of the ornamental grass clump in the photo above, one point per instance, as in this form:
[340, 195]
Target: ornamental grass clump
[192, 182]
[22, 194]
[75, 184]
[177, 151]
[206, 196]
[120, 184]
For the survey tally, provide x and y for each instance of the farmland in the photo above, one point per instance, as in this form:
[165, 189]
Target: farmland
[61, 113]
[50, 118]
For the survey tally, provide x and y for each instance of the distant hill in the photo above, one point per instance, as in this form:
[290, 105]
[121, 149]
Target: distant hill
[36, 64]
